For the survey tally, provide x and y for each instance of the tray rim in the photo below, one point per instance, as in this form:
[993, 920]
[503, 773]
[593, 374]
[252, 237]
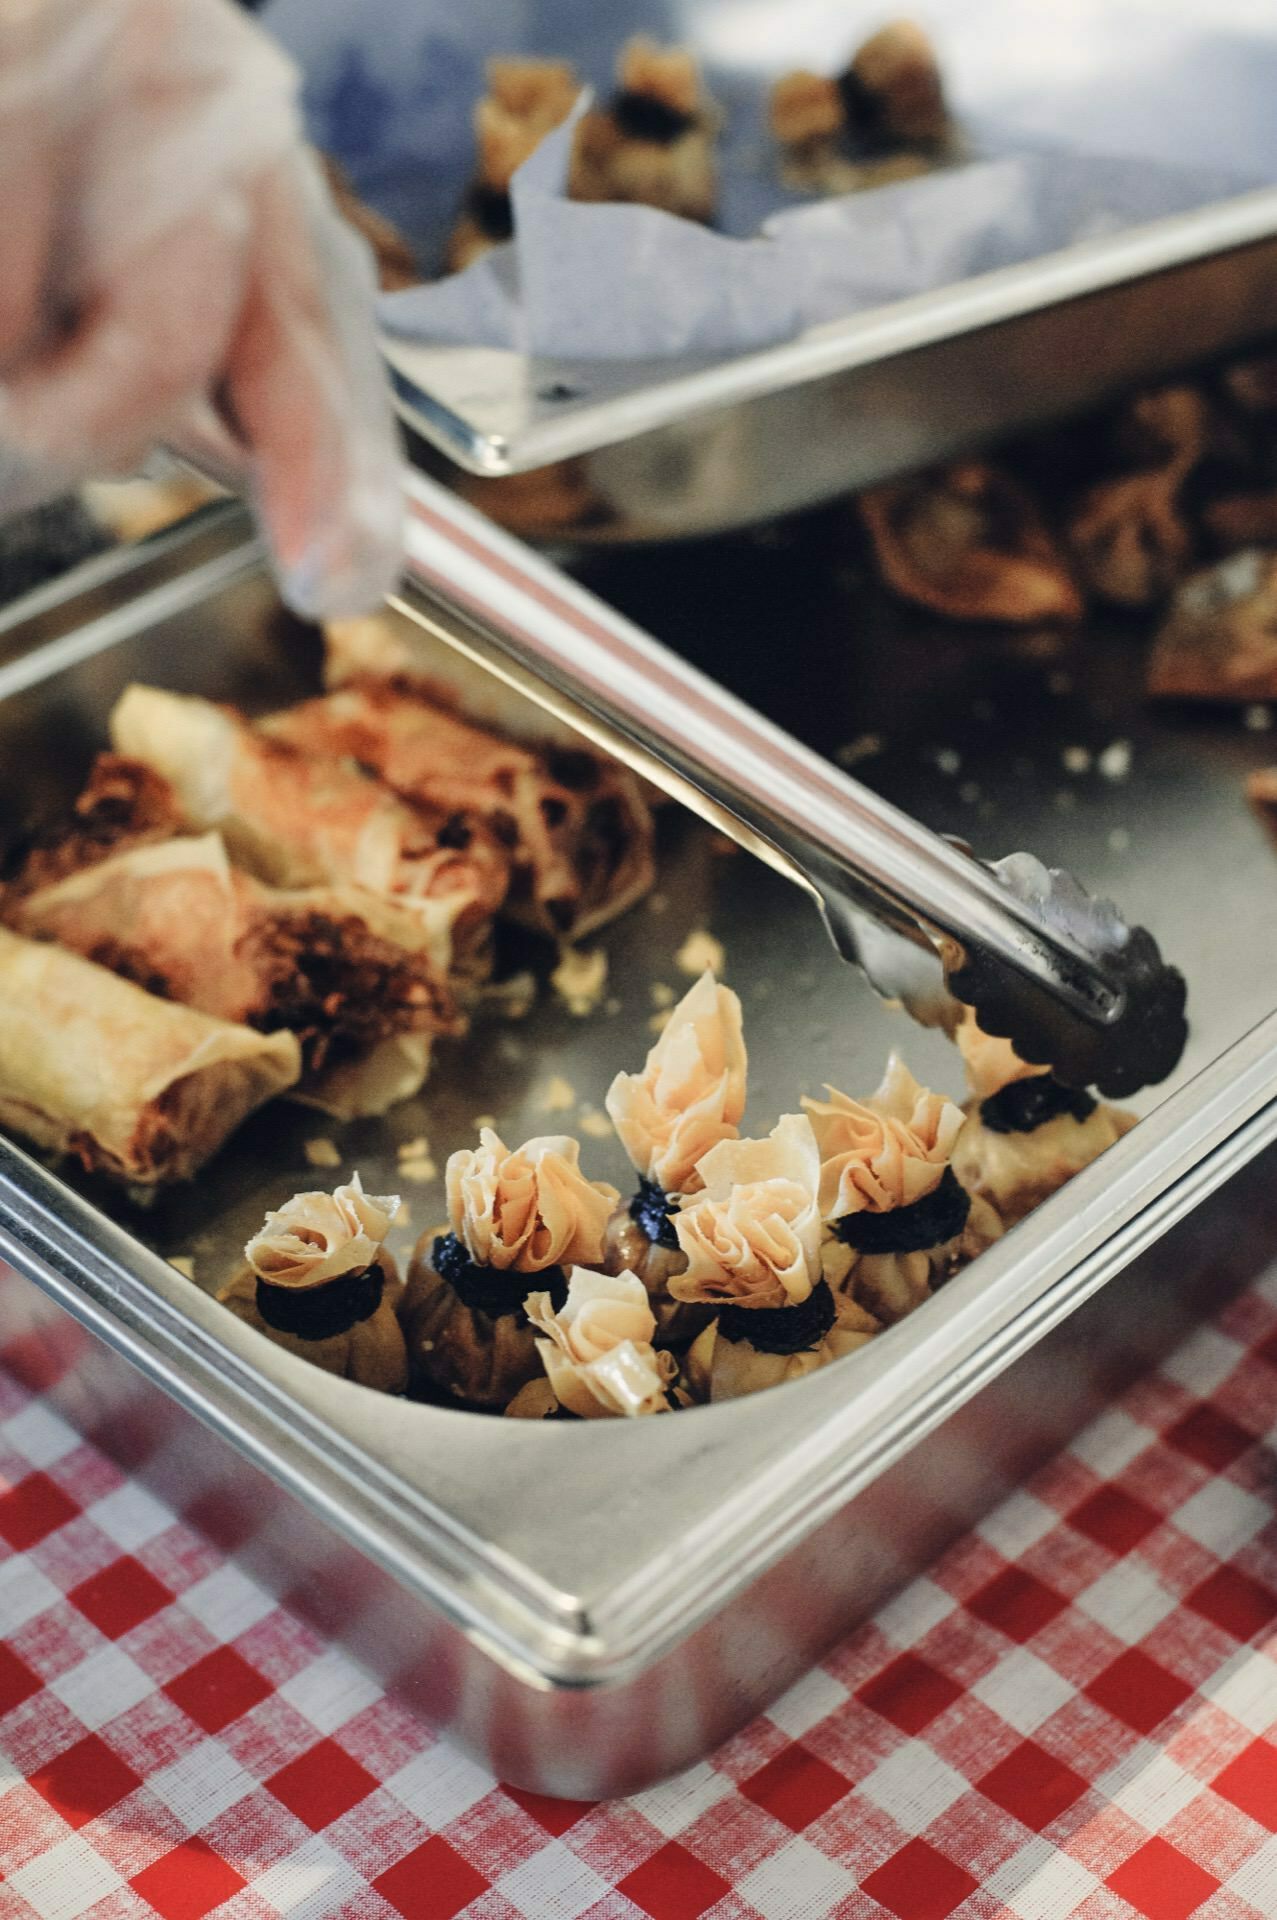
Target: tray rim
[682, 391]
[826, 1445]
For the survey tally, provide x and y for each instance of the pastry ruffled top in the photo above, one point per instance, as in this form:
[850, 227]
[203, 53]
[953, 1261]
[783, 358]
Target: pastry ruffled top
[597, 1349]
[991, 1063]
[886, 1152]
[690, 1095]
[528, 1209]
[318, 1237]
[753, 1238]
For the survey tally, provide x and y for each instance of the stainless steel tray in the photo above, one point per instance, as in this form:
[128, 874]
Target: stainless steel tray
[673, 450]
[670, 448]
[590, 1613]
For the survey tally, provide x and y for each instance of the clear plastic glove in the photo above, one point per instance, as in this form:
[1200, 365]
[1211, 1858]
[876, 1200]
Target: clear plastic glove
[172, 270]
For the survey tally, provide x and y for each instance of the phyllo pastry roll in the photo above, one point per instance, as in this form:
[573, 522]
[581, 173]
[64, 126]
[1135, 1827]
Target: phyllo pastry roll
[318, 1281]
[124, 805]
[525, 100]
[1129, 533]
[1026, 1134]
[898, 1219]
[689, 1096]
[516, 1221]
[597, 1351]
[575, 826]
[884, 118]
[654, 142]
[969, 543]
[135, 1087]
[752, 1242]
[342, 969]
[1219, 638]
[300, 819]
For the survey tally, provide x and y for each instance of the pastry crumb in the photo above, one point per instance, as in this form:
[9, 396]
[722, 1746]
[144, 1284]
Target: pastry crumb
[1076, 759]
[865, 746]
[1119, 840]
[322, 1153]
[948, 760]
[701, 950]
[663, 995]
[593, 1121]
[579, 979]
[420, 1169]
[516, 996]
[1115, 761]
[557, 1096]
[1257, 718]
[418, 1149]
[969, 792]
[659, 1020]
[184, 1263]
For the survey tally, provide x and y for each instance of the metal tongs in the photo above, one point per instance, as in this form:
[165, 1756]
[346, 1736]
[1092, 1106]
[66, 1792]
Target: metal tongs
[1043, 964]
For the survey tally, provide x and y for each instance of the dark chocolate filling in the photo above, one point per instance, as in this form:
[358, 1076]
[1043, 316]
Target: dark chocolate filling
[929, 1222]
[866, 114]
[1024, 1105]
[490, 209]
[491, 1290]
[316, 1313]
[650, 1211]
[641, 116]
[782, 1329]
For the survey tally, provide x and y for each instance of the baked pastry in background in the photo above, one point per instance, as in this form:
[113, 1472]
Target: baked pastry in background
[884, 118]
[653, 143]
[970, 543]
[525, 100]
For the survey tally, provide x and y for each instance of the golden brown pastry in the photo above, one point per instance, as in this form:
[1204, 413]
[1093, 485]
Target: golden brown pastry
[654, 142]
[132, 1086]
[689, 1096]
[888, 1195]
[883, 119]
[318, 1282]
[752, 1241]
[526, 99]
[1129, 536]
[1025, 1134]
[597, 1351]
[516, 1221]
[1219, 638]
[575, 825]
[968, 542]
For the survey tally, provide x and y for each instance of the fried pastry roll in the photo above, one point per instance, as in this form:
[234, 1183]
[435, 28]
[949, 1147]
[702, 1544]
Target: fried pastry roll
[969, 543]
[318, 1281]
[135, 1087]
[516, 1221]
[525, 100]
[653, 143]
[898, 1221]
[575, 826]
[597, 1351]
[300, 819]
[341, 968]
[1025, 1134]
[752, 1240]
[689, 1096]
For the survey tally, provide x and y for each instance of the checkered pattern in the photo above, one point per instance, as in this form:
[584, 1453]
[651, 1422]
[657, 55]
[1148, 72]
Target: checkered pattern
[1074, 1714]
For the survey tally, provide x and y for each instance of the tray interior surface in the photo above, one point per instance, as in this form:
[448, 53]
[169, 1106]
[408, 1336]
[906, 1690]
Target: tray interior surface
[975, 732]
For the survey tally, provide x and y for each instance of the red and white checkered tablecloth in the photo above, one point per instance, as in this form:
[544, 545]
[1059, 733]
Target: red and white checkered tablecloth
[1075, 1714]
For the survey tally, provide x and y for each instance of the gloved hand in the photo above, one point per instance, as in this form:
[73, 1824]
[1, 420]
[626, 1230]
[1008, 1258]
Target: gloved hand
[172, 270]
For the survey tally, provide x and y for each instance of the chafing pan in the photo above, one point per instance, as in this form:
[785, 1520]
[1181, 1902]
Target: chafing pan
[591, 1612]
